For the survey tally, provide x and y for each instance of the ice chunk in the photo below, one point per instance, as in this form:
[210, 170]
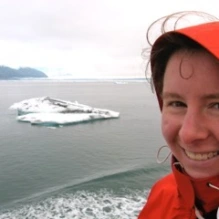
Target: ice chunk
[50, 111]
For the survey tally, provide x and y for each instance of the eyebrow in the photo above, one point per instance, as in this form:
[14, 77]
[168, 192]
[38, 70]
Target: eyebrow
[211, 96]
[167, 95]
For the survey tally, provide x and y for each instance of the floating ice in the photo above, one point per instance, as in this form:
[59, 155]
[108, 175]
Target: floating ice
[50, 111]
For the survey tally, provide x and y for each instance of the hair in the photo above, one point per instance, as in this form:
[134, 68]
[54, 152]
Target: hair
[168, 43]
[164, 49]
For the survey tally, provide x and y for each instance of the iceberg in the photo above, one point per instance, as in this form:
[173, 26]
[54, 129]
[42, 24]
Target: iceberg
[55, 112]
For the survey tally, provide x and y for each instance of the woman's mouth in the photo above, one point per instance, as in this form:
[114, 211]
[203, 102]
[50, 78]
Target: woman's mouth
[201, 156]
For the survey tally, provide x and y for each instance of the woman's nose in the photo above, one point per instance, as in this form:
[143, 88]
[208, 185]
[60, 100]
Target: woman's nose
[193, 128]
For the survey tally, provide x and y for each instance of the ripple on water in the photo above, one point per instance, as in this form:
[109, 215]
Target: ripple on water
[82, 204]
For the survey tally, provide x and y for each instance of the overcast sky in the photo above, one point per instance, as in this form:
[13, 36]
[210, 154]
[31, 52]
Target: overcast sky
[83, 38]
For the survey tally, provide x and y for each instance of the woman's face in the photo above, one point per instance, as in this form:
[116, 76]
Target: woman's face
[190, 113]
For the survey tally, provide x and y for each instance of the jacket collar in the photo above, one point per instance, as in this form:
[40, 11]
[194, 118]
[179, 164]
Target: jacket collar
[190, 189]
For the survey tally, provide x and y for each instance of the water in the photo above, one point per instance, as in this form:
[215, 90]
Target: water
[101, 169]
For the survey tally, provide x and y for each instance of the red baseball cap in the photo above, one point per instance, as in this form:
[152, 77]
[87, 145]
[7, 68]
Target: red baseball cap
[206, 34]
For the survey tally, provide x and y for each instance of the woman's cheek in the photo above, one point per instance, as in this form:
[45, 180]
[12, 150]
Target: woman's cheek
[168, 129]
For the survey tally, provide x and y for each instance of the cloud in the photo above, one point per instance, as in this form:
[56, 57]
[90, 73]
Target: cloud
[81, 37]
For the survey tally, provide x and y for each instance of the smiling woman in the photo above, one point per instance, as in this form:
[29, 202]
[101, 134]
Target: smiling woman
[185, 66]
[190, 113]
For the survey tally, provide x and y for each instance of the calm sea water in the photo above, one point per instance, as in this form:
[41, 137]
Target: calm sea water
[102, 169]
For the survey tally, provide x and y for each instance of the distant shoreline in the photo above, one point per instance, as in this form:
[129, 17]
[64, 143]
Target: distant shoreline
[113, 80]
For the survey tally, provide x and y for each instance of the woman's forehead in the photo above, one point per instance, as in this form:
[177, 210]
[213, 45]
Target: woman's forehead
[196, 70]
[187, 62]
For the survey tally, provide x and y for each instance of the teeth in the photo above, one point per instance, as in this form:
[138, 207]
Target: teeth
[198, 156]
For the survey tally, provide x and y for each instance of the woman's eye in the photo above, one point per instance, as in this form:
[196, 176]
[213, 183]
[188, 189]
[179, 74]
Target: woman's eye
[215, 105]
[176, 104]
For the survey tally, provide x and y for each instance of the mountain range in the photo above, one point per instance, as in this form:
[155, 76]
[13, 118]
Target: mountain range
[7, 73]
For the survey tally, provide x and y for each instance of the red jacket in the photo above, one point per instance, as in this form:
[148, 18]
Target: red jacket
[173, 197]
